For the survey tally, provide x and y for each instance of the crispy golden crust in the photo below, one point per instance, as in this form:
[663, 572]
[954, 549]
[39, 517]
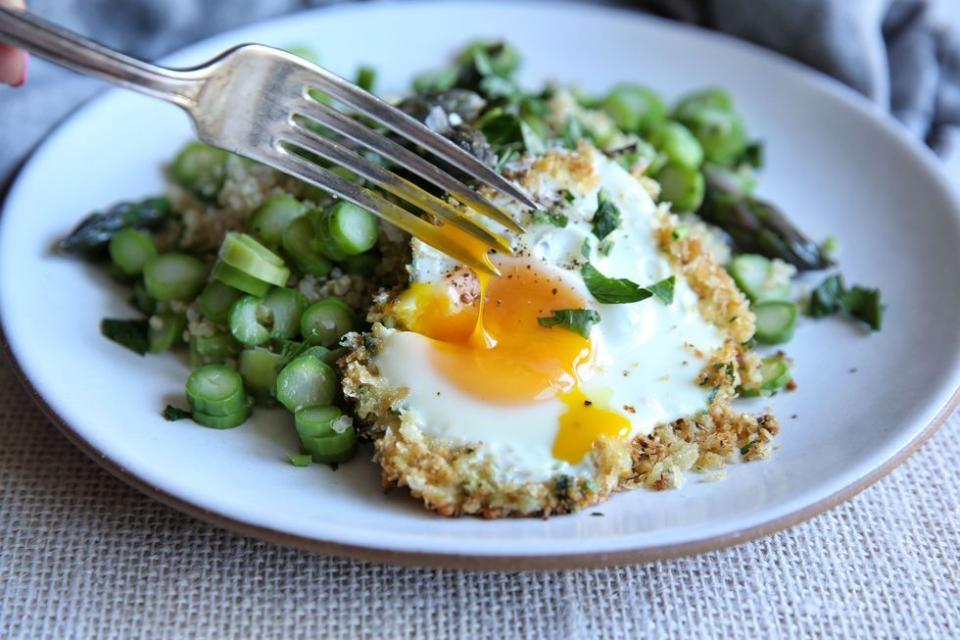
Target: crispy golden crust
[721, 302]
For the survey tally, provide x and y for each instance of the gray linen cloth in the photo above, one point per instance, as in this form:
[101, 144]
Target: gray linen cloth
[889, 50]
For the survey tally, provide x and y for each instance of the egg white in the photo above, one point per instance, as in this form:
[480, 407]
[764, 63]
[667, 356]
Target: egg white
[647, 355]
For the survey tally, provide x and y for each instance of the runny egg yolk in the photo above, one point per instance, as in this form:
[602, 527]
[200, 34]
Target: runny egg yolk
[491, 346]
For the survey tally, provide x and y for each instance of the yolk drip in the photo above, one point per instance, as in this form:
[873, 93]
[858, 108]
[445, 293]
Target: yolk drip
[490, 345]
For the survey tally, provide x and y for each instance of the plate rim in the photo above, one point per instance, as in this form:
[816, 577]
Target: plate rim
[817, 80]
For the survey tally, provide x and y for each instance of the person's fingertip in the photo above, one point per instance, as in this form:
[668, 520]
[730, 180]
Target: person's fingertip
[25, 70]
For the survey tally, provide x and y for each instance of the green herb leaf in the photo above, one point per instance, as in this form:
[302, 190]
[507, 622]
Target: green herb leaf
[132, 334]
[607, 217]
[173, 413]
[612, 290]
[546, 217]
[860, 303]
[663, 289]
[576, 320]
[573, 133]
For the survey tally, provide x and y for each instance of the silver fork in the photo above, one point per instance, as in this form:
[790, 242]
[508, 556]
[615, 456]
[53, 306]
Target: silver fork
[256, 101]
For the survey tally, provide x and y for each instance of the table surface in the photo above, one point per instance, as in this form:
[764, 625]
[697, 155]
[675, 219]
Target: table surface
[83, 555]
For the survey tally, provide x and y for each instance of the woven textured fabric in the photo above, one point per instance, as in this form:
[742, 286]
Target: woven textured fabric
[84, 556]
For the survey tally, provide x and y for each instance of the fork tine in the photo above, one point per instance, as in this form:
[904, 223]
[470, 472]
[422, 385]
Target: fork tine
[416, 226]
[390, 182]
[392, 151]
[394, 119]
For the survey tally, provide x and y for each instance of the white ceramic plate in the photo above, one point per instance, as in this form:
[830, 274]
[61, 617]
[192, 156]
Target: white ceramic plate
[836, 164]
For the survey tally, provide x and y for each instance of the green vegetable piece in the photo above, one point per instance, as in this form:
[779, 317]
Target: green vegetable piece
[248, 323]
[221, 422]
[259, 368]
[284, 307]
[707, 99]
[142, 300]
[300, 459]
[364, 264]
[165, 331]
[755, 276]
[607, 217]
[216, 299]
[245, 254]
[634, 108]
[272, 217]
[721, 133]
[439, 80]
[90, 238]
[298, 243]
[322, 242]
[776, 321]
[491, 58]
[678, 145]
[326, 321]
[354, 229]
[201, 169]
[216, 390]
[333, 449]
[237, 279]
[681, 186]
[775, 374]
[305, 382]
[548, 217]
[366, 78]
[130, 249]
[215, 349]
[172, 413]
[577, 320]
[131, 334]
[325, 434]
[864, 305]
[174, 276]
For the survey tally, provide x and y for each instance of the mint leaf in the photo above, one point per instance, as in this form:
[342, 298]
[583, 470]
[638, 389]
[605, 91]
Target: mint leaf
[546, 217]
[132, 334]
[173, 413]
[612, 290]
[860, 303]
[607, 217]
[576, 320]
[663, 289]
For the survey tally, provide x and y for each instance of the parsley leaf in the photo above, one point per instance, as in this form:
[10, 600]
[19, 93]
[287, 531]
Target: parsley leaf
[607, 217]
[173, 413]
[576, 320]
[132, 334]
[663, 289]
[546, 217]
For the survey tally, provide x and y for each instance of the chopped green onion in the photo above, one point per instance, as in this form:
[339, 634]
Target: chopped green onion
[130, 249]
[165, 331]
[174, 276]
[273, 216]
[298, 242]
[216, 390]
[216, 299]
[776, 321]
[324, 322]
[352, 228]
[304, 382]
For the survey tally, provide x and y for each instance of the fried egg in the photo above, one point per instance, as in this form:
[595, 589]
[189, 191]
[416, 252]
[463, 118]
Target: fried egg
[476, 366]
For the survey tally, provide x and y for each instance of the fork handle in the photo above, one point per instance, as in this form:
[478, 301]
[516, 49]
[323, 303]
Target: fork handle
[68, 49]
